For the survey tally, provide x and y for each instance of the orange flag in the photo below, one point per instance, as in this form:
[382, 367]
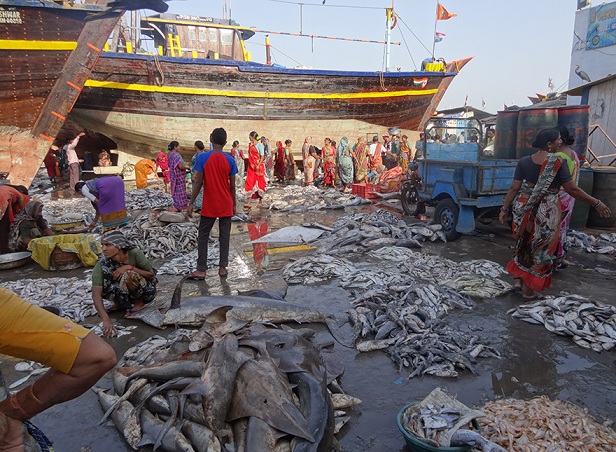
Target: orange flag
[442, 13]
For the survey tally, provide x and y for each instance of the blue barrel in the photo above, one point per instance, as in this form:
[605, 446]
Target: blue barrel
[530, 122]
[604, 188]
[576, 119]
[579, 216]
[506, 134]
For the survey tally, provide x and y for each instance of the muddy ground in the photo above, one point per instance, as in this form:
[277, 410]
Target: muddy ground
[534, 361]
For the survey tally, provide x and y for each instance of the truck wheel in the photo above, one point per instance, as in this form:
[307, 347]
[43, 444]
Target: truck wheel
[410, 200]
[446, 214]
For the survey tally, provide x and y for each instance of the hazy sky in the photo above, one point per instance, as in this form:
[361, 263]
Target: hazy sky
[518, 45]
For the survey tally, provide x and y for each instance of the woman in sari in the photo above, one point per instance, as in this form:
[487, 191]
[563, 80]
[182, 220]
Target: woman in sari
[290, 168]
[238, 156]
[345, 163]
[269, 160]
[308, 161]
[329, 166]
[566, 200]
[124, 276]
[279, 166]
[107, 197]
[12, 201]
[533, 197]
[29, 224]
[162, 162]
[255, 174]
[360, 157]
[177, 176]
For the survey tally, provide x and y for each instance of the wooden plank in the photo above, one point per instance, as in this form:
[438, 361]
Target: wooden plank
[75, 72]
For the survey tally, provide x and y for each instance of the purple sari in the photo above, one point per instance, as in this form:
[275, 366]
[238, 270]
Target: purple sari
[178, 181]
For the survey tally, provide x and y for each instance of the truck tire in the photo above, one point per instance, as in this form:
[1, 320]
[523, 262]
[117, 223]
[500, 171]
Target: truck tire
[409, 196]
[446, 214]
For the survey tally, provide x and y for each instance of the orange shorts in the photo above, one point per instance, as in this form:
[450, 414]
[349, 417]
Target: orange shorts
[29, 332]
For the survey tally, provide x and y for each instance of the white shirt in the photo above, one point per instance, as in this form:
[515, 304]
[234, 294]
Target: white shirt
[461, 139]
[373, 147]
[71, 155]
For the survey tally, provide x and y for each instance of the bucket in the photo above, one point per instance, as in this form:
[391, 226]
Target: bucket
[576, 119]
[530, 122]
[579, 216]
[604, 188]
[506, 134]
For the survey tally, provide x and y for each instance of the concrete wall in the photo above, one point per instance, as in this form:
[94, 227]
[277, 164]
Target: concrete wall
[602, 101]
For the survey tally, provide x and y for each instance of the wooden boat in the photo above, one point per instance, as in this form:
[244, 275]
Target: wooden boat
[47, 50]
[202, 78]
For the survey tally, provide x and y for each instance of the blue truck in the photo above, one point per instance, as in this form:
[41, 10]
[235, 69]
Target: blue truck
[458, 177]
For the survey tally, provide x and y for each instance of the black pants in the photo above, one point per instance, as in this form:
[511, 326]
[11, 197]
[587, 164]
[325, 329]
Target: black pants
[224, 232]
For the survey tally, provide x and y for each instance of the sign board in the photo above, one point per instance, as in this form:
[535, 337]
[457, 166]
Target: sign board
[601, 26]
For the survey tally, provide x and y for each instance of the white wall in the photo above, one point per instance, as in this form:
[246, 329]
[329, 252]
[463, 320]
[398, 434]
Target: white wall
[597, 62]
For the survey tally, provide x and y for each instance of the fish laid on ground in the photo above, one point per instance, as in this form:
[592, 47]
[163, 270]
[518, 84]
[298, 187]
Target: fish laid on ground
[592, 324]
[123, 417]
[147, 198]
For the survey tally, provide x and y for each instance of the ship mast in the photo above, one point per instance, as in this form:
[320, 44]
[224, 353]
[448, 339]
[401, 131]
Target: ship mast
[388, 26]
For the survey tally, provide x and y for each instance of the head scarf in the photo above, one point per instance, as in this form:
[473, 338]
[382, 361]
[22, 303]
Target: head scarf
[29, 212]
[117, 239]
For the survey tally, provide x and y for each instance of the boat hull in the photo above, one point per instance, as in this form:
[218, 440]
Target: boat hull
[183, 99]
[43, 46]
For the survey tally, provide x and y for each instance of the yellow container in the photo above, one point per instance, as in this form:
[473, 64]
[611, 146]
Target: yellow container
[435, 67]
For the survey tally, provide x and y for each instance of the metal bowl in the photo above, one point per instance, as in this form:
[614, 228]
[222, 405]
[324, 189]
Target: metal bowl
[13, 260]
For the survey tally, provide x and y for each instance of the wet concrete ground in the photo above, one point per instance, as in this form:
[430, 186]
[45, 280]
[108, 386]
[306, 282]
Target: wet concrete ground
[534, 361]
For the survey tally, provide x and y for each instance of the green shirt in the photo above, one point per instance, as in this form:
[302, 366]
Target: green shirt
[136, 258]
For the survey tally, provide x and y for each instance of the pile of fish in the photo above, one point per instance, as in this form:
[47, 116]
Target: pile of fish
[355, 234]
[296, 198]
[147, 198]
[316, 268]
[592, 324]
[605, 243]
[403, 320]
[543, 424]
[72, 296]
[53, 210]
[231, 385]
[159, 240]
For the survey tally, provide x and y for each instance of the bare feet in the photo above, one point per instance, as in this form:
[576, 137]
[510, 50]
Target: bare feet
[11, 434]
[222, 272]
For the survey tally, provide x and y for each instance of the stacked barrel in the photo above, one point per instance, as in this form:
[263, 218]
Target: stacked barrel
[516, 130]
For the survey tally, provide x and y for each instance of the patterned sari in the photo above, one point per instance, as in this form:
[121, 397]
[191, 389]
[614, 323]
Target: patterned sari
[279, 166]
[345, 162]
[309, 162]
[178, 181]
[329, 167]
[129, 287]
[360, 154]
[238, 156]
[536, 226]
[566, 204]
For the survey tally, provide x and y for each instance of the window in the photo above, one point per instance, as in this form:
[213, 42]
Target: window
[192, 33]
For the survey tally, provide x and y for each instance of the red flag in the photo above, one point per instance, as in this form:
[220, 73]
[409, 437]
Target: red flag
[466, 100]
[442, 13]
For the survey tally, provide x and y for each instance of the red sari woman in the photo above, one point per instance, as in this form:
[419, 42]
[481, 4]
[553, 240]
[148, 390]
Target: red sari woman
[162, 162]
[533, 196]
[329, 166]
[255, 174]
[279, 166]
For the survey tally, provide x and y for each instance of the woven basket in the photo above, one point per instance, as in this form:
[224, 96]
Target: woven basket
[61, 260]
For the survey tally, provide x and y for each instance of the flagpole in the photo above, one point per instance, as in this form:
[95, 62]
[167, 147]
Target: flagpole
[434, 34]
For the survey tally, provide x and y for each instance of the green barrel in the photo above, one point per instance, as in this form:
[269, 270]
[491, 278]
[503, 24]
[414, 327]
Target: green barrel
[506, 134]
[604, 188]
[530, 122]
[576, 119]
[579, 216]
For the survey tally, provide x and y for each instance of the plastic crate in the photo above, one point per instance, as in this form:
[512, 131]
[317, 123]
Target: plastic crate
[365, 190]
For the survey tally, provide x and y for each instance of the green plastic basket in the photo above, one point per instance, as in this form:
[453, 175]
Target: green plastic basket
[419, 446]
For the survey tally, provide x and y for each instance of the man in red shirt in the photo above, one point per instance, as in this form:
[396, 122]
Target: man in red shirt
[214, 171]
